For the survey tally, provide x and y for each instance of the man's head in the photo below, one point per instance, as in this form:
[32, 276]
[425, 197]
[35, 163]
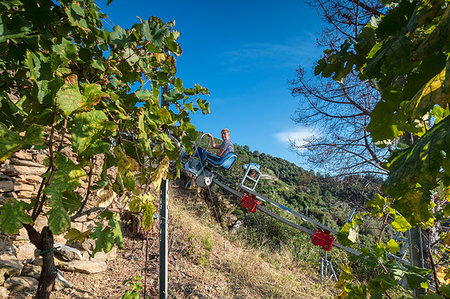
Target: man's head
[225, 134]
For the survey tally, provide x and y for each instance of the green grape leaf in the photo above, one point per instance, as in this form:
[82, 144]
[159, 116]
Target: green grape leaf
[87, 129]
[66, 49]
[116, 230]
[12, 216]
[377, 204]
[10, 142]
[416, 280]
[104, 239]
[33, 135]
[59, 220]
[72, 201]
[69, 97]
[412, 171]
[92, 93]
[445, 289]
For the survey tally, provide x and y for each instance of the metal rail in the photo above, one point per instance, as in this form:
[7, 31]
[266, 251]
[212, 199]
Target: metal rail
[278, 217]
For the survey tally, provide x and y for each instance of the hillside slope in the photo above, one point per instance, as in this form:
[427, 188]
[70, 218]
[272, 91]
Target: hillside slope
[205, 261]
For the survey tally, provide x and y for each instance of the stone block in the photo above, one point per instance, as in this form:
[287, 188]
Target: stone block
[29, 179]
[15, 170]
[61, 282]
[9, 266]
[31, 270]
[67, 253]
[25, 195]
[4, 177]
[4, 293]
[87, 267]
[22, 284]
[6, 186]
[23, 187]
[25, 163]
[22, 155]
[25, 250]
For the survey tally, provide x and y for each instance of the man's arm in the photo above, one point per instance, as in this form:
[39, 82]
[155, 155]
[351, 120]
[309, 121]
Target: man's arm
[213, 144]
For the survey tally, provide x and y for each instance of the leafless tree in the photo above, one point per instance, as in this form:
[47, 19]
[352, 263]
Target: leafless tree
[341, 110]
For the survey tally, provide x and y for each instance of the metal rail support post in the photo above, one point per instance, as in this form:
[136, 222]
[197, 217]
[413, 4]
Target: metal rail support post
[416, 253]
[163, 250]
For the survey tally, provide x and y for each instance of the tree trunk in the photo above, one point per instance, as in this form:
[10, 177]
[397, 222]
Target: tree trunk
[48, 273]
[44, 242]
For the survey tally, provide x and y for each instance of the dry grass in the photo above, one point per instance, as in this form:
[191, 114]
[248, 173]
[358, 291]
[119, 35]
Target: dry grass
[232, 269]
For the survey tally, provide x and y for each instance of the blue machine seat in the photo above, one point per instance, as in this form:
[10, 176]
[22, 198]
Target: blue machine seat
[225, 162]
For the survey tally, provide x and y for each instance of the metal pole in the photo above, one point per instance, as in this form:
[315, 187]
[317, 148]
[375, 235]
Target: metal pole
[416, 252]
[163, 250]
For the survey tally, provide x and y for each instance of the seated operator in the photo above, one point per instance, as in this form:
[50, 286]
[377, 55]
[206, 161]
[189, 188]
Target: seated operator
[224, 148]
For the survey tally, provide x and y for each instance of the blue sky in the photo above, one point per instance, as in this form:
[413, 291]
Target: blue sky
[244, 52]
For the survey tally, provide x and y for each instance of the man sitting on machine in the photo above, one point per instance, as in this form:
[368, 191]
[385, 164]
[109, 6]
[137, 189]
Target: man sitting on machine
[224, 148]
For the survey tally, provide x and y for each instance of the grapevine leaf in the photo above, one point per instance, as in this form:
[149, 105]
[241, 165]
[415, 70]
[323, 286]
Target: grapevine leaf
[416, 280]
[71, 201]
[59, 220]
[10, 142]
[87, 129]
[377, 204]
[66, 49]
[400, 223]
[160, 173]
[393, 246]
[115, 228]
[33, 135]
[69, 98]
[104, 239]
[12, 216]
[412, 170]
[74, 235]
[147, 219]
[445, 289]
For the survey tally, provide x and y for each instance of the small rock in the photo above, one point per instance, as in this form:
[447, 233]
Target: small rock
[61, 282]
[23, 235]
[88, 245]
[4, 177]
[15, 170]
[87, 267]
[6, 186]
[25, 163]
[9, 266]
[21, 284]
[67, 253]
[7, 248]
[31, 271]
[30, 179]
[4, 292]
[25, 250]
[23, 187]
[23, 155]
[59, 239]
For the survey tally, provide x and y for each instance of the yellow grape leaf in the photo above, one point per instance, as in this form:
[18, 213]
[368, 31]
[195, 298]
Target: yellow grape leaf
[106, 197]
[447, 239]
[443, 274]
[160, 173]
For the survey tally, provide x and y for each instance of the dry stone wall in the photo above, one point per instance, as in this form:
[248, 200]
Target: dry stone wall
[20, 262]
